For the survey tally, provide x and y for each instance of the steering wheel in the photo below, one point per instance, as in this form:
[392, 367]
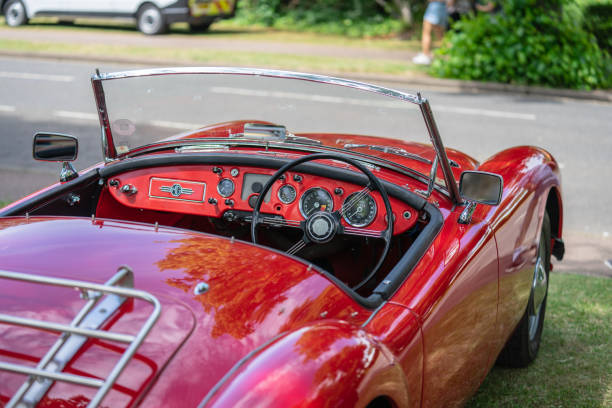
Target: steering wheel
[321, 227]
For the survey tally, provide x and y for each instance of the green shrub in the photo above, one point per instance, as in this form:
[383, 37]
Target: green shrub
[527, 43]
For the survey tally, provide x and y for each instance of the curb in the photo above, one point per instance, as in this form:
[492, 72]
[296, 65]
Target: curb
[413, 80]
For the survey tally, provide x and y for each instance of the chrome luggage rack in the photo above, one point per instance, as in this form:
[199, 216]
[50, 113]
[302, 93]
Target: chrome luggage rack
[102, 301]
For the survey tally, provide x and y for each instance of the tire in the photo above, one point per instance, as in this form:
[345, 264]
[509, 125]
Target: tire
[200, 27]
[151, 21]
[522, 347]
[15, 13]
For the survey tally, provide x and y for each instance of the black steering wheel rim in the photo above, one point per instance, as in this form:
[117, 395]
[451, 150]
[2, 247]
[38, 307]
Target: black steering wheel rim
[386, 234]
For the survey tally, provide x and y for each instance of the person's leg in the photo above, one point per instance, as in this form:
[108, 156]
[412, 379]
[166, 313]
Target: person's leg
[438, 31]
[426, 38]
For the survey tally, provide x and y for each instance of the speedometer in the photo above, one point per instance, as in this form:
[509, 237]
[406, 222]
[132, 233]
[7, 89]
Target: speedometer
[315, 199]
[359, 209]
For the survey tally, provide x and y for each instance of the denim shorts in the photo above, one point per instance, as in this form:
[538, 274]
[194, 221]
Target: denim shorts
[436, 13]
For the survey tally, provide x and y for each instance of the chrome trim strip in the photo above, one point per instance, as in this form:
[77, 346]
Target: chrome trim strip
[88, 290]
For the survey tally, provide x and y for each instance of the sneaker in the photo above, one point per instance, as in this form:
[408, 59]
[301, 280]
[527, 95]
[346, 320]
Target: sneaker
[421, 59]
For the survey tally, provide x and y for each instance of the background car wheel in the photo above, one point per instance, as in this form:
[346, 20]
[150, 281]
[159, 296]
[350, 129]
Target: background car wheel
[15, 13]
[151, 21]
[523, 346]
[200, 27]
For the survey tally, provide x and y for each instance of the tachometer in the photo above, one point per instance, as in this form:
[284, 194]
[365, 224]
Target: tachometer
[359, 209]
[287, 194]
[316, 199]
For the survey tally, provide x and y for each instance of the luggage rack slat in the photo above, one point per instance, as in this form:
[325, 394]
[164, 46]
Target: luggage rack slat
[75, 379]
[63, 328]
[73, 337]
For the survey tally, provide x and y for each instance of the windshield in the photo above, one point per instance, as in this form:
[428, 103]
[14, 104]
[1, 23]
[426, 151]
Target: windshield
[144, 109]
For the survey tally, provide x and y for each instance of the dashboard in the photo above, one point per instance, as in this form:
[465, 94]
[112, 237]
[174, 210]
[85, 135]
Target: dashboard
[228, 191]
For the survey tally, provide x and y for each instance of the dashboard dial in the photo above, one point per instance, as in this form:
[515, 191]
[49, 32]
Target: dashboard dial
[359, 209]
[226, 187]
[287, 194]
[315, 199]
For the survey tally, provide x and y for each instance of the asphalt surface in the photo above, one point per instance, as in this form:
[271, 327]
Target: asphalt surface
[50, 95]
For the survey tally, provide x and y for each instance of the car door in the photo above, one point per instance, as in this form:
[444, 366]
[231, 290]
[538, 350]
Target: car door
[454, 292]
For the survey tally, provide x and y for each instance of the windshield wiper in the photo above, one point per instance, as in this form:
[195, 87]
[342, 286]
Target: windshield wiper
[397, 151]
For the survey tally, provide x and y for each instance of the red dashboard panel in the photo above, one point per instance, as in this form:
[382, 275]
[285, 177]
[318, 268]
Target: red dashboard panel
[213, 190]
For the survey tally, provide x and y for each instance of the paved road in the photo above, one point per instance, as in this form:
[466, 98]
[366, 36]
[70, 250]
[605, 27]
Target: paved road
[43, 95]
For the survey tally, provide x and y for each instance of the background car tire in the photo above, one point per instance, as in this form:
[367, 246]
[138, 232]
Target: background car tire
[523, 346]
[200, 27]
[15, 13]
[151, 21]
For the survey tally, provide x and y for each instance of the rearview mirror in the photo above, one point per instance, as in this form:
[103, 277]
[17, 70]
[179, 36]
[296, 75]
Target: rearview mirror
[55, 147]
[481, 187]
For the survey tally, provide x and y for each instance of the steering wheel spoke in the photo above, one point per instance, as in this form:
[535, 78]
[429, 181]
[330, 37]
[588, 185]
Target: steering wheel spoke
[297, 247]
[363, 232]
[279, 222]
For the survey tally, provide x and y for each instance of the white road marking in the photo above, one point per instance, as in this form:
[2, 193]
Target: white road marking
[175, 125]
[484, 112]
[6, 108]
[36, 77]
[75, 115]
[363, 102]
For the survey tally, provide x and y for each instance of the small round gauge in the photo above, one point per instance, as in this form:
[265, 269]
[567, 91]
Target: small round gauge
[226, 187]
[287, 194]
[359, 209]
[315, 199]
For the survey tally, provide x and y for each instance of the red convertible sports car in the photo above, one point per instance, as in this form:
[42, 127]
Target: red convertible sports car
[267, 238]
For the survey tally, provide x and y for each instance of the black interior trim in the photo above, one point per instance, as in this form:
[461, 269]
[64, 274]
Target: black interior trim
[40, 200]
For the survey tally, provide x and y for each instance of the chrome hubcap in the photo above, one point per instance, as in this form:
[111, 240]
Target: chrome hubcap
[14, 13]
[539, 287]
[150, 20]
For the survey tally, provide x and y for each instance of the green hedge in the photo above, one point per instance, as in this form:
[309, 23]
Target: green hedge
[353, 18]
[524, 44]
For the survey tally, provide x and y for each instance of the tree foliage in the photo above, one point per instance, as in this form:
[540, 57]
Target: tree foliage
[530, 42]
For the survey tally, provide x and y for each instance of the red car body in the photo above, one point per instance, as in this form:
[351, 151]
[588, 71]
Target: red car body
[272, 329]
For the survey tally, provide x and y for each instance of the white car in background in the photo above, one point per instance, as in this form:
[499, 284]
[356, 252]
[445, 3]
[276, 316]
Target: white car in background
[151, 16]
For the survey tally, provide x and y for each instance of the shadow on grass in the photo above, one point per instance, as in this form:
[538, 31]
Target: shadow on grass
[573, 368]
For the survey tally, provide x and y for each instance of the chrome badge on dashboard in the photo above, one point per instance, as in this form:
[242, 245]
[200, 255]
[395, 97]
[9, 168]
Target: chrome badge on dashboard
[177, 189]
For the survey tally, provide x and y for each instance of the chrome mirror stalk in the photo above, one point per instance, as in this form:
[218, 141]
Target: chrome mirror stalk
[466, 214]
[68, 172]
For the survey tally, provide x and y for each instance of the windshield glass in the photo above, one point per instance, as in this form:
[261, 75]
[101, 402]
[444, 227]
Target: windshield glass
[146, 109]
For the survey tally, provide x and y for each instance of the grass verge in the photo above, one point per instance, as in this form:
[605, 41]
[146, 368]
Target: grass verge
[257, 59]
[574, 366]
[210, 56]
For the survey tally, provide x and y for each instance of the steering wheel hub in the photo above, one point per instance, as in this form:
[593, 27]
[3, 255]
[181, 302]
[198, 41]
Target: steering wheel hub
[321, 227]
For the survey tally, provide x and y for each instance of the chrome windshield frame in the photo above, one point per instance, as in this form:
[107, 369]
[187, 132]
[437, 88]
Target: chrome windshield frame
[110, 153]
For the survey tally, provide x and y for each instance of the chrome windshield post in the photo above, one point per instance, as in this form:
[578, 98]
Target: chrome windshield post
[436, 141]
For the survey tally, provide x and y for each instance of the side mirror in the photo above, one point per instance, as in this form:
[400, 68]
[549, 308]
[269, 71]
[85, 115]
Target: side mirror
[55, 147]
[481, 187]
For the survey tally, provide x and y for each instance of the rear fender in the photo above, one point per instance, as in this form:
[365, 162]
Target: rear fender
[327, 364]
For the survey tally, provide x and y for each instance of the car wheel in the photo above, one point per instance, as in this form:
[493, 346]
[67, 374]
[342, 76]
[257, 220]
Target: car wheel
[151, 20]
[200, 27]
[15, 13]
[523, 346]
